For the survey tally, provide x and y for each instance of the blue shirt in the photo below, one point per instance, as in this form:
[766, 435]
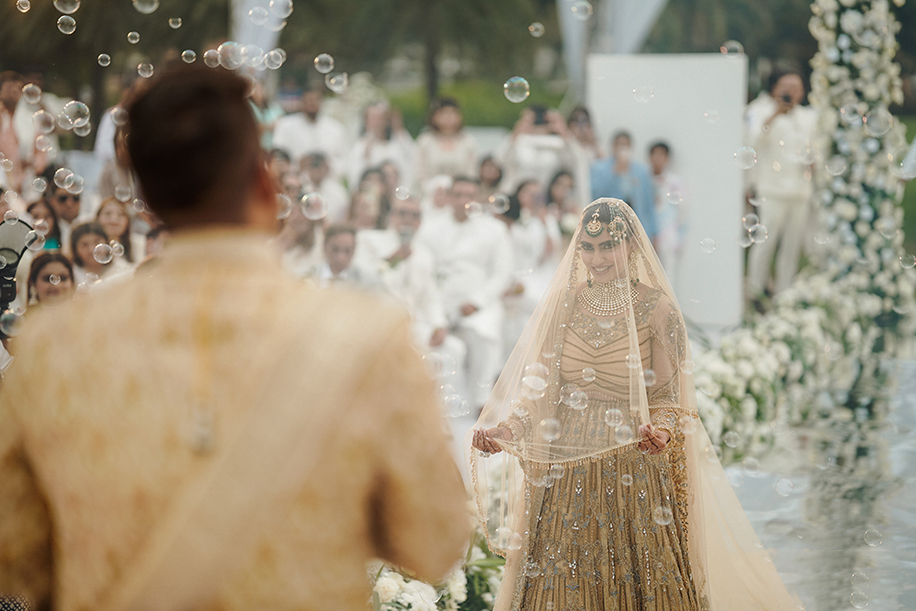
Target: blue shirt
[635, 188]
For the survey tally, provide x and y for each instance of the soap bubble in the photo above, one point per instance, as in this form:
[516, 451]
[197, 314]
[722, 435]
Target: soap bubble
[274, 59]
[745, 157]
[67, 7]
[281, 8]
[175, 23]
[258, 15]
[66, 24]
[908, 261]
[515, 542]
[456, 406]
[211, 58]
[54, 279]
[731, 47]
[230, 55]
[77, 184]
[588, 374]
[324, 63]
[578, 400]
[758, 233]
[314, 206]
[34, 241]
[23, 6]
[145, 69]
[632, 361]
[711, 116]
[859, 579]
[42, 227]
[536, 369]
[613, 417]
[43, 122]
[557, 471]
[39, 185]
[687, 424]
[63, 178]
[146, 6]
[441, 365]
[549, 429]
[11, 217]
[31, 93]
[784, 487]
[566, 393]
[104, 60]
[674, 198]
[836, 166]
[649, 377]
[102, 254]
[643, 94]
[10, 323]
[707, 245]
[623, 434]
[582, 10]
[732, 439]
[751, 465]
[123, 193]
[873, 538]
[133, 37]
[535, 386]
[119, 116]
[858, 599]
[662, 515]
[499, 203]
[337, 83]
[749, 220]
[516, 89]
[536, 29]
[626, 479]
[188, 56]
[117, 249]
[878, 122]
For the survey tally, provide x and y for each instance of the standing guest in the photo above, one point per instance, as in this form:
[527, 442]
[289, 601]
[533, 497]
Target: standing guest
[309, 131]
[14, 146]
[620, 177]
[50, 280]
[155, 241]
[490, 175]
[301, 241]
[670, 210]
[778, 128]
[267, 112]
[66, 206]
[474, 261]
[561, 193]
[383, 139]
[43, 211]
[316, 171]
[115, 220]
[539, 146]
[339, 247]
[278, 164]
[445, 147]
[87, 267]
[247, 441]
[579, 124]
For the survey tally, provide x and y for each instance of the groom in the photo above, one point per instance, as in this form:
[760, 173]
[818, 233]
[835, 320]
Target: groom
[214, 434]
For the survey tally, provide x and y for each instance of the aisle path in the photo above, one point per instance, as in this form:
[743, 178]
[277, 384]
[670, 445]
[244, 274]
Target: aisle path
[817, 534]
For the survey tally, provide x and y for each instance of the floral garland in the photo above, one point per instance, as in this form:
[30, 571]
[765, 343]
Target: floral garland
[471, 587]
[819, 352]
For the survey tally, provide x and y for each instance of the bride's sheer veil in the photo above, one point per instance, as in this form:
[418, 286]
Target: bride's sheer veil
[566, 408]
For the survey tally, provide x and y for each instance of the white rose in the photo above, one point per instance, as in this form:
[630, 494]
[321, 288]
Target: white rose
[386, 588]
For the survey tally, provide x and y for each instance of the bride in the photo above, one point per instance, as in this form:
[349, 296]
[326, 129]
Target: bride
[594, 477]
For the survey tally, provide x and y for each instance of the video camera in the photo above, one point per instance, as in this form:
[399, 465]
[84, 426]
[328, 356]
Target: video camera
[16, 236]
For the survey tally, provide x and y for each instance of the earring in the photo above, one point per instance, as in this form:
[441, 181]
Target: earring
[588, 277]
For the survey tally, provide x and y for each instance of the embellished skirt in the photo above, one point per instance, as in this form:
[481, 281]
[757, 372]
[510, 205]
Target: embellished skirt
[607, 536]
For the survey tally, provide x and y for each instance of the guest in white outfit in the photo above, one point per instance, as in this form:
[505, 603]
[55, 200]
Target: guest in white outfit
[301, 241]
[445, 147]
[780, 129]
[316, 171]
[309, 131]
[474, 260]
[400, 266]
[539, 147]
[670, 210]
[383, 139]
[339, 246]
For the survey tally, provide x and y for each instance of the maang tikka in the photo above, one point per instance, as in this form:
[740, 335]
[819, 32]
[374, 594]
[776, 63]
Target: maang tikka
[593, 227]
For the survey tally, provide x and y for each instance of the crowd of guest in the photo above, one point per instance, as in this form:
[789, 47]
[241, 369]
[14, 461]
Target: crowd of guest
[466, 242]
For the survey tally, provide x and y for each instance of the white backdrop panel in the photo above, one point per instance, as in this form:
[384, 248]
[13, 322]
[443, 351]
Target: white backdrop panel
[685, 87]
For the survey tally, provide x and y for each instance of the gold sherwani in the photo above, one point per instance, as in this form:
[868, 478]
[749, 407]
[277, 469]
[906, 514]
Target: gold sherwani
[143, 424]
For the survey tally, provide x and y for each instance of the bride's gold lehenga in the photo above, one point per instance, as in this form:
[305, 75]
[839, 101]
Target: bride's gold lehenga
[600, 536]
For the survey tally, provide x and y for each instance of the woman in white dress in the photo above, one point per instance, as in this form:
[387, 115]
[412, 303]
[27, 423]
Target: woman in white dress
[445, 147]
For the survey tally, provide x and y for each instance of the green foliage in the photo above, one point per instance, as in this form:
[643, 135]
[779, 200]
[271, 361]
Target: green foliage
[482, 102]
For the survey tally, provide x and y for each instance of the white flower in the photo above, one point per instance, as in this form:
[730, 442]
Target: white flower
[458, 586]
[386, 588]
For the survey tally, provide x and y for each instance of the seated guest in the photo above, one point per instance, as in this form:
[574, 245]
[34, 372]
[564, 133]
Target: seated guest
[115, 220]
[89, 267]
[67, 207]
[44, 212]
[50, 279]
[339, 246]
[316, 171]
[365, 211]
[490, 175]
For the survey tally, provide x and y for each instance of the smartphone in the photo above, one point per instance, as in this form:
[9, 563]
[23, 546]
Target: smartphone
[540, 114]
[786, 98]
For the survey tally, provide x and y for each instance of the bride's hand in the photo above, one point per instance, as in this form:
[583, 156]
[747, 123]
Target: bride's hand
[483, 440]
[655, 440]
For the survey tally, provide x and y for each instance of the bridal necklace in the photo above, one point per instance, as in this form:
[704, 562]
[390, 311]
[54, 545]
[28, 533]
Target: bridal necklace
[608, 298]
